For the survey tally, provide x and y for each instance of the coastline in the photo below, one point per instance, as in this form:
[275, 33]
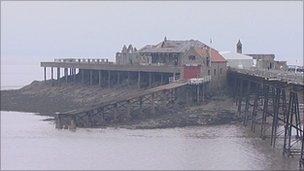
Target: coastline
[45, 99]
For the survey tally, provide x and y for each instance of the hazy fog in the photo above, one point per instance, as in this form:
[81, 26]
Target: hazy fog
[43, 30]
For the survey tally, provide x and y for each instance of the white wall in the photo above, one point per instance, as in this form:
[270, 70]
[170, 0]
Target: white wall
[240, 63]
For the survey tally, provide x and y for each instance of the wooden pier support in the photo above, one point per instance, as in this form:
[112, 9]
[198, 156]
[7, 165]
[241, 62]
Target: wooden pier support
[275, 121]
[292, 122]
[161, 78]
[150, 79]
[44, 74]
[301, 161]
[128, 113]
[82, 76]
[141, 106]
[128, 78]
[66, 74]
[118, 77]
[91, 77]
[247, 101]
[99, 78]
[109, 79]
[58, 122]
[74, 74]
[265, 110]
[198, 94]
[203, 93]
[240, 98]
[52, 76]
[138, 79]
[153, 103]
[255, 108]
[58, 75]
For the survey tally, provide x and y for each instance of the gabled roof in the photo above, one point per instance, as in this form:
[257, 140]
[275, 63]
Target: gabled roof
[177, 46]
[216, 56]
[182, 46]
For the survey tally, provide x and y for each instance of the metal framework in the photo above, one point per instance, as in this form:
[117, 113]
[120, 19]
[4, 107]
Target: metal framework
[264, 103]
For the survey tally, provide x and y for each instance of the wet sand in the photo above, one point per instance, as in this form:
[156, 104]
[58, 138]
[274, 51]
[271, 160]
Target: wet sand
[45, 99]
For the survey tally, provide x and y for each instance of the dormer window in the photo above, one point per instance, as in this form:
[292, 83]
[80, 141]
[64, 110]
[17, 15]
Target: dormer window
[191, 58]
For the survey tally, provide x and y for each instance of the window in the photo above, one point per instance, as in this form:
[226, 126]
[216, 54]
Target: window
[208, 61]
[208, 72]
[214, 71]
[221, 70]
[191, 58]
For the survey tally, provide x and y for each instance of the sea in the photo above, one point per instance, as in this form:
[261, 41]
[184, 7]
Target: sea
[30, 142]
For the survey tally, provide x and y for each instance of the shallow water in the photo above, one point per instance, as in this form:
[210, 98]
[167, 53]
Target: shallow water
[27, 142]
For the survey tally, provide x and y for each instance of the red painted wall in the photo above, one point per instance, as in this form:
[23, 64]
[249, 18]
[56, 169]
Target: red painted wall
[192, 72]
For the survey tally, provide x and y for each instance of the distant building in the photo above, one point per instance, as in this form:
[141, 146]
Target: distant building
[296, 68]
[281, 65]
[238, 60]
[263, 61]
[195, 57]
[129, 56]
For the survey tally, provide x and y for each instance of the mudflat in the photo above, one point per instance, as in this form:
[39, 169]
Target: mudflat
[45, 99]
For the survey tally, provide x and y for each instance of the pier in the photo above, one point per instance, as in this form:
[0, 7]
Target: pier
[269, 101]
[160, 88]
[144, 102]
[182, 73]
[99, 71]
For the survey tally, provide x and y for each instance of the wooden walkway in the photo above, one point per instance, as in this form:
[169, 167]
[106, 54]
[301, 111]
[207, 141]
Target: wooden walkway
[272, 75]
[126, 96]
[126, 106]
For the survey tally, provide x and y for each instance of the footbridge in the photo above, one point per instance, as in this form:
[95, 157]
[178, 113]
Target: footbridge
[144, 102]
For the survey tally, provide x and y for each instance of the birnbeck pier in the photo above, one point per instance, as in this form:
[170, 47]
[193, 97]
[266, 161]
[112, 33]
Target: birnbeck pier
[271, 104]
[174, 74]
[159, 87]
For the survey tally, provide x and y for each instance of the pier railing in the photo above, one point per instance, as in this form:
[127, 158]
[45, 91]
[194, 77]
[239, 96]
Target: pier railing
[195, 81]
[274, 75]
[83, 60]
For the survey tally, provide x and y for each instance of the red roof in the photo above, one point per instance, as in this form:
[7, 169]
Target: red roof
[216, 56]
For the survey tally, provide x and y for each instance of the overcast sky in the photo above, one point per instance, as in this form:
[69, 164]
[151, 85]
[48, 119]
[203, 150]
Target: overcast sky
[43, 30]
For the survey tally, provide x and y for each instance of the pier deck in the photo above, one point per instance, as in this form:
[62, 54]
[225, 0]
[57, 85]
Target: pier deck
[127, 106]
[113, 67]
[126, 96]
[270, 100]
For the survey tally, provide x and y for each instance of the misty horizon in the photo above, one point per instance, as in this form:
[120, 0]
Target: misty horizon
[47, 30]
